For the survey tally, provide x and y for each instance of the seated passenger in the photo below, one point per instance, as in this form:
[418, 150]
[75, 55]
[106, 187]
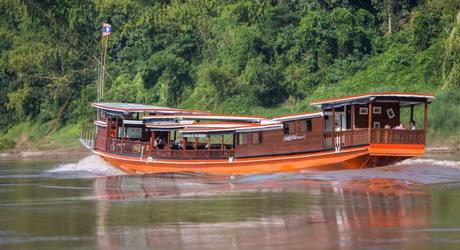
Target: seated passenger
[400, 126]
[161, 144]
[412, 125]
[177, 144]
[387, 126]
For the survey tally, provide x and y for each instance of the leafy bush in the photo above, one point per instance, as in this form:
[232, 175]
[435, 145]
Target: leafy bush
[6, 144]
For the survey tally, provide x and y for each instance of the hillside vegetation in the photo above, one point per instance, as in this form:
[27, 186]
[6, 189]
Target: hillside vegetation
[234, 56]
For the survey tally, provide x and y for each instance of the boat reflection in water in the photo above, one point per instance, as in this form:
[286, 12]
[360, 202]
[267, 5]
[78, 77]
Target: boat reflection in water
[263, 211]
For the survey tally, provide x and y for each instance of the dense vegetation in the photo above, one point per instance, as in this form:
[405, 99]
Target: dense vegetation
[236, 56]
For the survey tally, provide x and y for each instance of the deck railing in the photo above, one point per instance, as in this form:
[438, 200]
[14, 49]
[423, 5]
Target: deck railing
[144, 149]
[127, 147]
[356, 137]
[397, 136]
[345, 138]
[192, 154]
[331, 140]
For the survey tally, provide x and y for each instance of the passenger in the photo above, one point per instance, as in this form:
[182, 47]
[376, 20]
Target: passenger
[387, 126]
[155, 143]
[412, 125]
[400, 126]
[177, 144]
[161, 144]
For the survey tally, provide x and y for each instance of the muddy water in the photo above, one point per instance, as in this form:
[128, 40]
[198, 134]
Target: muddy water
[88, 204]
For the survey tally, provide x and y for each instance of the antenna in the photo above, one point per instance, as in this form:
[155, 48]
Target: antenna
[106, 31]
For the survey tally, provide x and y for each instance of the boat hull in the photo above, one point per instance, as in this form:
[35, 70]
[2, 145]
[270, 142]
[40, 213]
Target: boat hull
[358, 157]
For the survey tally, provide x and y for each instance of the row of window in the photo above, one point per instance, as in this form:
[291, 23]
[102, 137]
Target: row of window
[288, 128]
[297, 127]
[254, 138]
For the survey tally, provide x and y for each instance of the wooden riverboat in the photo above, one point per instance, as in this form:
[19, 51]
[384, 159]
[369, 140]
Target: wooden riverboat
[347, 132]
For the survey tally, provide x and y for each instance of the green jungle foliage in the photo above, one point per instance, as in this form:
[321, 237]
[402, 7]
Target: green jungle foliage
[233, 56]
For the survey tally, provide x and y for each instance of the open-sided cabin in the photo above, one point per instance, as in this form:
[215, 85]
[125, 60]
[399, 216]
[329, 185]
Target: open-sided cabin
[355, 131]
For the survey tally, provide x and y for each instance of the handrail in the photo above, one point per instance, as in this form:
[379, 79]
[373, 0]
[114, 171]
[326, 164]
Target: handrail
[398, 136]
[144, 149]
[345, 138]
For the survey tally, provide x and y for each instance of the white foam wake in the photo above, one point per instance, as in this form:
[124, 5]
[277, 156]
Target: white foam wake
[92, 164]
[431, 162]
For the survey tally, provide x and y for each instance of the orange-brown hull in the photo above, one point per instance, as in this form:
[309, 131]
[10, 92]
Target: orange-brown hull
[344, 159]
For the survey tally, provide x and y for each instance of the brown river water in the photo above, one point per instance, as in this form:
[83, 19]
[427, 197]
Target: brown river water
[88, 204]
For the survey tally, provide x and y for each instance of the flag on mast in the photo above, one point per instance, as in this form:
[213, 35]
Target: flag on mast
[106, 29]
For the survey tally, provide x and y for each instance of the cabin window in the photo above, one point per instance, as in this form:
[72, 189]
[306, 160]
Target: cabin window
[309, 125]
[242, 139]
[133, 133]
[289, 128]
[305, 126]
[285, 129]
[257, 138]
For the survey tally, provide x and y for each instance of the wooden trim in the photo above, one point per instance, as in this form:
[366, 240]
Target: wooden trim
[152, 139]
[425, 117]
[352, 121]
[109, 127]
[425, 120]
[369, 123]
[169, 140]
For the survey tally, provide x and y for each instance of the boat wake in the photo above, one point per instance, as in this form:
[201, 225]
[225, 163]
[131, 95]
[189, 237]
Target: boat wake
[91, 166]
[430, 162]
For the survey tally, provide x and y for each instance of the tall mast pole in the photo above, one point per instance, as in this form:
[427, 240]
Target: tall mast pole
[106, 31]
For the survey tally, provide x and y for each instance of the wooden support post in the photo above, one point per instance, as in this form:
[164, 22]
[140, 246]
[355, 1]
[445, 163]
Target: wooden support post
[184, 146]
[352, 121]
[425, 118]
[369, 124]
[209, 145]
[411, 113]
[152, 139]
[196, 145]
[107, 135]
[122, 134]
[116, 127]
[333, 120]
[333, 128]
[222, 146]
[169, 140]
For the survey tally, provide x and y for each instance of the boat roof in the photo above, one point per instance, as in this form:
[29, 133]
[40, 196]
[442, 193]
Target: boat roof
[134, 107]
[210, 126]
[241, 128]
[209, 117]
[206, 125]
[403, 98]
[301, 116]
